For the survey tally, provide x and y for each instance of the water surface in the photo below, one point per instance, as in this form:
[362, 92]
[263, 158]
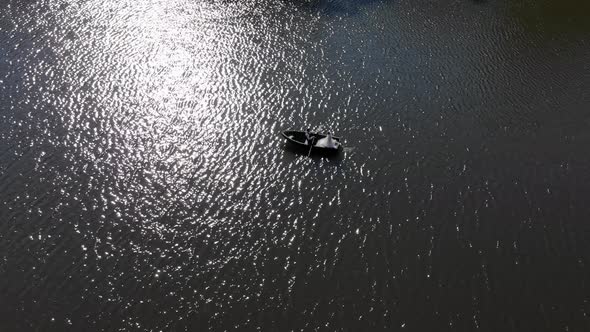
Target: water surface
[144, 187]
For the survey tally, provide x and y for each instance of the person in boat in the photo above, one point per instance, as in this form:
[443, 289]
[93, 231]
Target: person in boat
[308, 137]
[327, 142]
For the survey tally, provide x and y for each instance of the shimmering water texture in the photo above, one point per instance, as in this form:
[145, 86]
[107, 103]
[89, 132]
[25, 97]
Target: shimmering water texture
[144, 185]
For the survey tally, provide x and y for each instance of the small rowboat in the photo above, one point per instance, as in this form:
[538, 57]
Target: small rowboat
[296, 139]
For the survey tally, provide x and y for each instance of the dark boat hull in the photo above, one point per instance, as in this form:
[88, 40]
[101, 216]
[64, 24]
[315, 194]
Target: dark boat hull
[296, 141]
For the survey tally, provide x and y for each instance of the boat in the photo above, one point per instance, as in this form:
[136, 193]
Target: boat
[296, 139]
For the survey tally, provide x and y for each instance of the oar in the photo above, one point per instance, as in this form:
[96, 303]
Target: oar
[310, 147]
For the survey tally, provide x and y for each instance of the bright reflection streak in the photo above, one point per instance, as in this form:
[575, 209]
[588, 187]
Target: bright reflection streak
[180, 100]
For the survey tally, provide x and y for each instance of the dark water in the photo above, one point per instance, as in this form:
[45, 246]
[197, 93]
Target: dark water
[143, 186]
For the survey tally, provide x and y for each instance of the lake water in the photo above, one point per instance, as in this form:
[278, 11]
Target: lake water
[144, 186]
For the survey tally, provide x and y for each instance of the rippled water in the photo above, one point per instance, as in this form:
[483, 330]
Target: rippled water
[143, 184]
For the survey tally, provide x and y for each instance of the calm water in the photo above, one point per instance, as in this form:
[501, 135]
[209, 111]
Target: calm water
[143, 185]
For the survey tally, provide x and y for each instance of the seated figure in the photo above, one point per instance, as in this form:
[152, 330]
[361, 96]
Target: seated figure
[308, 137]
